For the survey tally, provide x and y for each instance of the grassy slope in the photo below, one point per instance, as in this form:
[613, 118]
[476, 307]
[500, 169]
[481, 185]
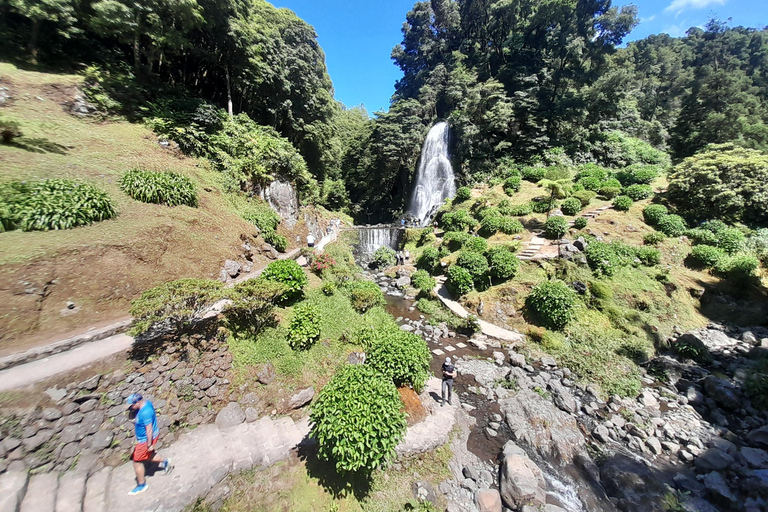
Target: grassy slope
[102, 266]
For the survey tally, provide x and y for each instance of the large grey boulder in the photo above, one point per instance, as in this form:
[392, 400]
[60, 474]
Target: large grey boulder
[711, 339]
[759, 436]
[633, 484]
[302, 398]
[521, 482]
[718, 488]
[488, 500]
[755, 457]
[562, 397]
[282, 197]
[232, 268]
[722, 392]
[230, 416]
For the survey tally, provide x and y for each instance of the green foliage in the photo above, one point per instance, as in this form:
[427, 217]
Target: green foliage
[556, 227]
[512, 185]
[490, 225]
[255, 211]
[552, 303]
[638, 192]
[304, 329]
[706, 256]
[542, 205]
[52, 204]
[510, 226]
[740, 269]
[654, 238]
[252, 302]
[571, 206]
[618, 149]
[364, 295]
[168, 188]
[357, 419]
[9, 130]
[515, 210]
[580, 222]
[475, 244]
[757, 244]
[638, 174]
[725, 182]
[289, 273]
[609, 191]
[605, 258]
[455, 239]
[474, 263]
[731, 240]
[589, 183]
[502, 263]
[533, 174]
[460, 281]
[429, 259]
[622, 203]
[672, 225]
[279, 242]
[328, 288]
[653, 213]
[701, 236]
[401, 356]
[460, 220]
[756, 383]
[463, 194]
[423, 281]
[648, 256]
[428, 306]
[384, 257]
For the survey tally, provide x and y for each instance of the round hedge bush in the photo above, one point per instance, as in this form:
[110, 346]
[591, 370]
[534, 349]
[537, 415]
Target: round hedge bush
[460, 281]
[463, 193]
[512, 185]
[542, 205]
[168, 188]
[706, 256]
[364, 295]
[304, 329]
[429, 259]
[730, 240]
[503, 264]
[475, 244]
[584, 196]
[401, 356]
[423, 281]
[740, 268]
[279, 242]
[383, 257]
[654, 238]
[510, 226]
[556, 227]
[653, 213]
[460, 220]
[580, 222]
[474, 262]
[490, 225]
[571, 206]
[357, 419]
[552, 303]
[622, 203]
[672, 225]
[701, 236]
[290, 274]
[638, 192]
[455, 239]
[533, 174]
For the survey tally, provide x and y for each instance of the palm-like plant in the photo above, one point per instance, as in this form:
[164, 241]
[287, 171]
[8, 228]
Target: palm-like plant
[558, 189]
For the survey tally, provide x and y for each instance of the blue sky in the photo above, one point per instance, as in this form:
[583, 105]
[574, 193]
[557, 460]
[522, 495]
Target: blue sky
[358, 35]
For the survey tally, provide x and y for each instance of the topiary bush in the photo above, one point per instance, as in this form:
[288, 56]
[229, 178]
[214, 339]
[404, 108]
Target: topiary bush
[304, 329]
[571, 206]
[580, 222]
[517, 210]
[740, 269]
[510, 226]
[168, 188]
[490, 225]
[460, 281]
[638, 192]
[364, 295]
[383, 257]
[622, 203]
[555, 227]
[502, 264]
[423, 281]
[533, 174]
[251, 304]
[654, 238]
[455, 239]
[463, 194]
[542, 205]
[357, 419]
[460, 220]
[672, 225]
[401, 356]
[512, 185]
[653, 213]
[279, 242]
[706, 256]
[609, 192]
[289, 273]
[584, 196]
[475, 263]
[552, 303]
[428, 259]
[475, 244]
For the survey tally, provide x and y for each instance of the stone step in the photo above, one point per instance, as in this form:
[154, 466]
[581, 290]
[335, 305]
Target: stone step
[13, 485]
[41, 493]
[69, 497]
[96, 491]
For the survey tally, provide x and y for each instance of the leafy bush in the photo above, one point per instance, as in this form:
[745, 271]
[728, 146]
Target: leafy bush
[552, 303]
[592, 171]
[383, 257]
[706, 256]
[322, 262]
[429, 259]
[475, 244]
[654, 238]
[503, 264]
[589, 183]
[428, 306]
[462, 194]
[475, 263]
[739, 269]
[460, 220]
[714, 226]
[459, 281]
[580, 222]
[251, 303]
[401, 356]
[653, 213]
[168, 188]
[604, 258]
[701, 236]
[584, 196]
[622, 203]
[617, 149]
[731, 240]
[516, 210]
[533, 174]
[672, 225]
[255, 211]
[9, 130]
[512, 185]
[328, 288]
[52, 204]
[289, 273]
[488, 211]
[638, 192]
[455, 239]
[757, 243]
[490, 225]
[556, 227]
[609, 192]
[423, 281]
[571, 206]
[304, 329]
[357, 419]
[648, 256]
[364, 295]
[541, 205]
[557, 172]
[510, 226]
[279, 242]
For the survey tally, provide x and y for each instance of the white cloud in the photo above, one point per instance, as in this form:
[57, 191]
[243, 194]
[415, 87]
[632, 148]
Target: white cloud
[678, 6]
[675, 30]
[648, 19]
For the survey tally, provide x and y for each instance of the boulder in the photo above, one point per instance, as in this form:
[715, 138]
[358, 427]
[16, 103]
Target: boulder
[403, 282]
[756, 458]
[647, 399]
[230, 416]
[232, 268]
[632, 484]
[562, 397]
[488, 500]
[759, 437]
[713, 459]
[521, 482]
[717, 488]
[282, 197]
[102, 440]
[302, 398]
[580, 243]
[722, 392]
[266, 374]
[516, 359]
[712, 339]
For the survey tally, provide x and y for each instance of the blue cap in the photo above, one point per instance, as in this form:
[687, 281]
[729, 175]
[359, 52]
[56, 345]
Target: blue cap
[134, 399]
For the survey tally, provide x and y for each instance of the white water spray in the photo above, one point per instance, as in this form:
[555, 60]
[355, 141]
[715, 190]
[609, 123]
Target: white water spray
[434, 180]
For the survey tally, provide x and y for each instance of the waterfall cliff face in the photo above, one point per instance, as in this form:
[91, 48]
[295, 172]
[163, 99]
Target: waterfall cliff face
[434, 180]
[371, 238]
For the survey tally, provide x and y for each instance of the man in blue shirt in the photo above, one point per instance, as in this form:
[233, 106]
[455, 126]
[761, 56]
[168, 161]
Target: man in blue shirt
[147, 433]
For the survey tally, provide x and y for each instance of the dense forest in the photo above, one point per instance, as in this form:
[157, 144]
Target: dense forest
[534, 82]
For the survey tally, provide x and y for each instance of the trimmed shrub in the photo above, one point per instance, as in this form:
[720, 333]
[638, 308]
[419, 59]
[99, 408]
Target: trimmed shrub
[474, 262]
[423, 281]
[168, 188]
[672, 225]
[429, 259]
[706, 256]
[490, 224]
[462, 194]
[279, 242]
[740, 269]
[357, 419]
[455, 239]
[9, 130]
[289, 273]
[571, 206]
[638, 192]
[701, 236]
[622, 203]
[584, 196]
[510, 226]
[502, 263]
[488, 211]
[556, 227]
[304, 329]
[653, 213]
[475, 244]
[383, 257]
[517, 210]
[401, 356]
[609, 192]
[648, 256]
[428, 306]
[589, 183]
[604, 258]
[552, 303]
[364, 295]
[512, 185]
[592, 171]
[580, 222]
[714, 226]
[654, 238]
[328, 288]
[460, 220]
[460, 281]
[533, 174]
[252, 303]
[542, 205]
[731, 240]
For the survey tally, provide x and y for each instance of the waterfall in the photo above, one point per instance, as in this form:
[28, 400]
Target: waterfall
[371, 238]
[434, 179]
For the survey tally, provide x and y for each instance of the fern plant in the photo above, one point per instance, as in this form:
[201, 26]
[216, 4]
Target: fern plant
[168, 188]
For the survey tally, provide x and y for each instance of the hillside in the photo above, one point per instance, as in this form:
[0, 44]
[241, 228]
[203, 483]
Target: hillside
[100, 267]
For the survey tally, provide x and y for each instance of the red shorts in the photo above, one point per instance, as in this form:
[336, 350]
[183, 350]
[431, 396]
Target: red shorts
[141, 451]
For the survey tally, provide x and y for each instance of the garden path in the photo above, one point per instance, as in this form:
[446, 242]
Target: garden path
[540, 248]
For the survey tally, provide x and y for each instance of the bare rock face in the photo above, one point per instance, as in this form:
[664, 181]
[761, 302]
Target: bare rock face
[488, 500]
[522, 482]
[536, 422]
[633, 484]
[282, 197]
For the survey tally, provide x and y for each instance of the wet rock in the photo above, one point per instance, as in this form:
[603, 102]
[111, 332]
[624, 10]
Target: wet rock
[266, 374]
[562, 397]
[488, 500]
[632, 484]
[230, 416]
[302, 398]
[601, 433]
[722, 392]
[521, 481]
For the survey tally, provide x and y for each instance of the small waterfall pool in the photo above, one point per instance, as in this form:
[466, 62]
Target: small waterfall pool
[435, 181]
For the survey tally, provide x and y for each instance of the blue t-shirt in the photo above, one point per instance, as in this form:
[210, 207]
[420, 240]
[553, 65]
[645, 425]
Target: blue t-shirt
[146, 416]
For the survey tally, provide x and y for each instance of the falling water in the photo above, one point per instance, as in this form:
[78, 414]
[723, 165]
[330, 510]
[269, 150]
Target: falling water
[434, 179]
[371, 238]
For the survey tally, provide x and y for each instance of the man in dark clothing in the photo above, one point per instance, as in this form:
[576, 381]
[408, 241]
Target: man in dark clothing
[449, 373]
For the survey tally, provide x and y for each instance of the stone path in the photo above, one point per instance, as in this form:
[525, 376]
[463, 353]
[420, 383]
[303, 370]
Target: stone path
[486, 328]
[436, 428]
[533, 250]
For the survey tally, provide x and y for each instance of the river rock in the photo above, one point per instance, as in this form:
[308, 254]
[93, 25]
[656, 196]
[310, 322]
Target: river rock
[488, 500]
[713, 459]
[722, 392]
[266, 374]
[711, 339]
[562, 397]
[232, 268]
[535, 421]
[647, 399]
[51, 414]
[759, 436]
[302, 398]
[403, 282]
[756, 458]
[516, 359]
[230, 416]
[521, 482]
[718, 488]
[102, 440]
[633, 484]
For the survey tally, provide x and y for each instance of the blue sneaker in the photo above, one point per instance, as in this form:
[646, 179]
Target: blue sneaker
[167, 468]
[138, 489]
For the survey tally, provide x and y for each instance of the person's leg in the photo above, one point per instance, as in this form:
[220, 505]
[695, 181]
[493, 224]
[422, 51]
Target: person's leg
[450, 391]
[140, 471]
[445, 387]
